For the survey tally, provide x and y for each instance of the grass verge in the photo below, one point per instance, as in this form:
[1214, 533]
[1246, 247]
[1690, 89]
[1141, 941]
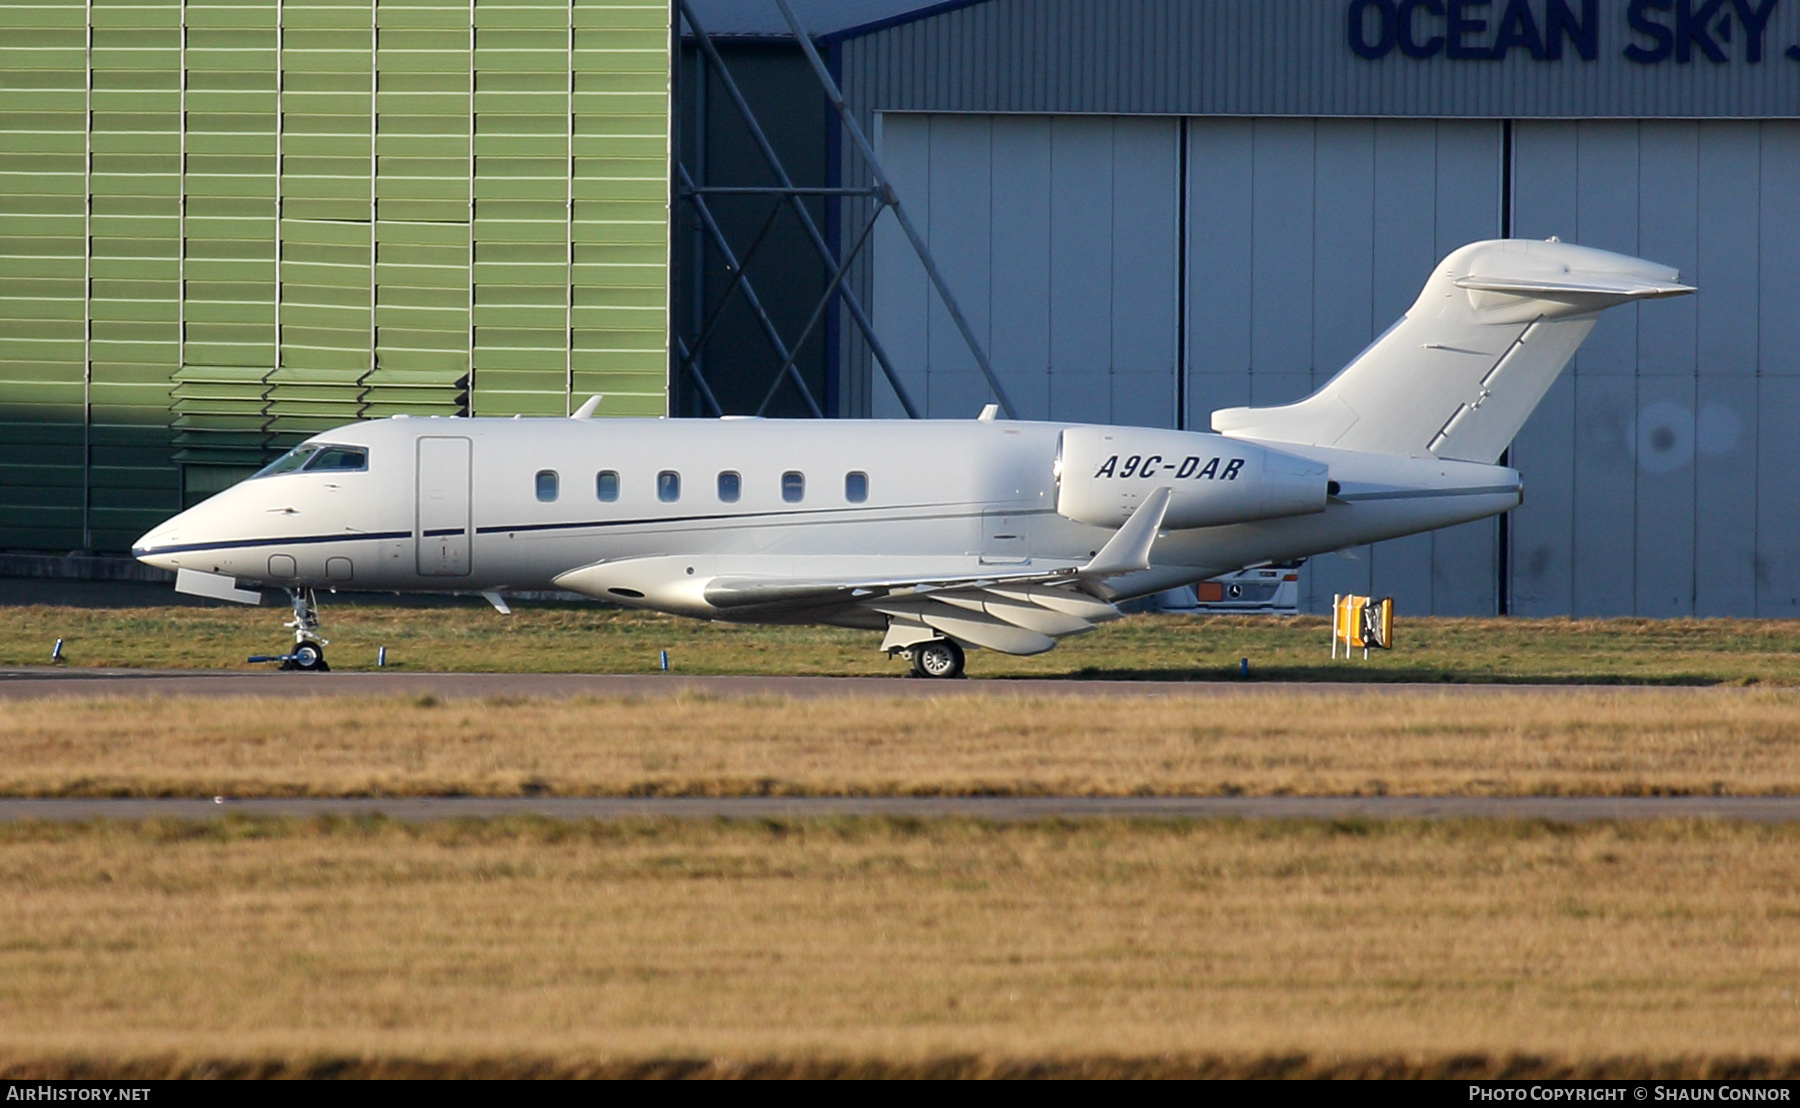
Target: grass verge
[578, 639]
[873, 946]
[1253, 742]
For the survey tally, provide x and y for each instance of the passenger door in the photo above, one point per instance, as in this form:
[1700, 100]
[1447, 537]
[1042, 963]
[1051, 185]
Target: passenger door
[442, 534]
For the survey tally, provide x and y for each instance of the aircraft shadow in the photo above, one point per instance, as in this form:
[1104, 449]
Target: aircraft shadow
[1350, 674]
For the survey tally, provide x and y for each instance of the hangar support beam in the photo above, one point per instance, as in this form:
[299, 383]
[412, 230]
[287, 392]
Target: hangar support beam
[735, 267]
[787, 192]
[818, 312]
[891, 199]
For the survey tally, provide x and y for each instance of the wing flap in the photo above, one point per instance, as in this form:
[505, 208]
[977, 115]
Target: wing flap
[1033, 618]
[749, 592]
[1089, 609]
[983, 604]
[971, 628]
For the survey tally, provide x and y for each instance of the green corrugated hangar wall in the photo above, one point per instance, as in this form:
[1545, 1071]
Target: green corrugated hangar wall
[226, 226]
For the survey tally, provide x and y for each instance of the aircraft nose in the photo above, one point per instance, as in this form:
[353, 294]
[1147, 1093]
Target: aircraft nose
[152, 547]
[145, 550]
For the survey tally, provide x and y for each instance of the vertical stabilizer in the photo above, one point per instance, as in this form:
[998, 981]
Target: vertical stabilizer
[1461, 372]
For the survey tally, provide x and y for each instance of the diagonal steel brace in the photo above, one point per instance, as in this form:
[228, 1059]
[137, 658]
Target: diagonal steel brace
[848, 295]
[819, 308]
[687, 362]
[893, 201]
[741, 278]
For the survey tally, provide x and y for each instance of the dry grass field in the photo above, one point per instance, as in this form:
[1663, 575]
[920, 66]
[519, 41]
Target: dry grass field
[892, 947]
[897, 948]
[1251, 742]
[471, 637]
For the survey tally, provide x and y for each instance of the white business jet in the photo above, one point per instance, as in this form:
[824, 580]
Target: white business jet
[945, 535]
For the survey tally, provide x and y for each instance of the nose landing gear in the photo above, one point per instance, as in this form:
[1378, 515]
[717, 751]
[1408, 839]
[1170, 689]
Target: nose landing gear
[308, 654]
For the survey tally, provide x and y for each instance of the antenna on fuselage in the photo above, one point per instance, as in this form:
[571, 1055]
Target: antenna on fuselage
[586, 411]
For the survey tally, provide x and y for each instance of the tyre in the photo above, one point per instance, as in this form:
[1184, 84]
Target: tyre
[309, 657]
[937, 658]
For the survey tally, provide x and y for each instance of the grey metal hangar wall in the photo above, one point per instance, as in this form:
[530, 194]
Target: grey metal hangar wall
[1156, 209]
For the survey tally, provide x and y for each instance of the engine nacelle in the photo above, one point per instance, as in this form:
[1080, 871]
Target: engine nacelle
[1104, 473]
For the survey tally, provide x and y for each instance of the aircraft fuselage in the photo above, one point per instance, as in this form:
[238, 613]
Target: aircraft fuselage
[471, 505]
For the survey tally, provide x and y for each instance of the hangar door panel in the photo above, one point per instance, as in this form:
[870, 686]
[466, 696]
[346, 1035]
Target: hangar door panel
[1306, 239]
[443, 515]
[1658, 471]
[1653, 467]
[1059, 237]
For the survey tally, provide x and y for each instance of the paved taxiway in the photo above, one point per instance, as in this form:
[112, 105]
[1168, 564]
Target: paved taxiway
[41, 681]
[1559, 809]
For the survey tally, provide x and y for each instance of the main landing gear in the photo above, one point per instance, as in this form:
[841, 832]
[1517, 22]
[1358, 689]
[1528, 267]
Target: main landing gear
[935, 658]
[308, 654]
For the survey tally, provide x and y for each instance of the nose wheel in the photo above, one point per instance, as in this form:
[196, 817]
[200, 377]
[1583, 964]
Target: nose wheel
[308, 655]
[939, 658]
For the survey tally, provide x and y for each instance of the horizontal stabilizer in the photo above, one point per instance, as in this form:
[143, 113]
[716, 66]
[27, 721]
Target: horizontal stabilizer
[1634, 289]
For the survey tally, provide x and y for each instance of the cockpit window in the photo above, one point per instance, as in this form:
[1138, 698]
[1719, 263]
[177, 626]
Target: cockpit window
[318, 457]
[339, 459]
[291, 461]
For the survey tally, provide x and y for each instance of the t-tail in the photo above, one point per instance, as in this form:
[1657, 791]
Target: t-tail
[1463, 370]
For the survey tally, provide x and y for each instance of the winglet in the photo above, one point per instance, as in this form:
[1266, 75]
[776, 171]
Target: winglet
[586, 411]
[1128, 551]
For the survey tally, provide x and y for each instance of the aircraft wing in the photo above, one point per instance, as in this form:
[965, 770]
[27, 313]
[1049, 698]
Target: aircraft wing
[1017, 608]
[745, 591]
[1128, 551]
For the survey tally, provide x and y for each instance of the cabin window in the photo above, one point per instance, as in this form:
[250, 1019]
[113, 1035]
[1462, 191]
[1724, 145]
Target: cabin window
[606, 485]
[668, 486]
[793, 486]
[546, 485]
[339, 459]
[856, 487]
[731, 486]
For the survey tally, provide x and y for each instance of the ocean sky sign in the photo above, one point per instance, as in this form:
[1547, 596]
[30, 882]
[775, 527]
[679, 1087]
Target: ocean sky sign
[1648, 32]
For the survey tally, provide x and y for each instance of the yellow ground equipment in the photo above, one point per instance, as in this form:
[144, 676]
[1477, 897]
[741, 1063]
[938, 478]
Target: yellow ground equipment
[1358, 621]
